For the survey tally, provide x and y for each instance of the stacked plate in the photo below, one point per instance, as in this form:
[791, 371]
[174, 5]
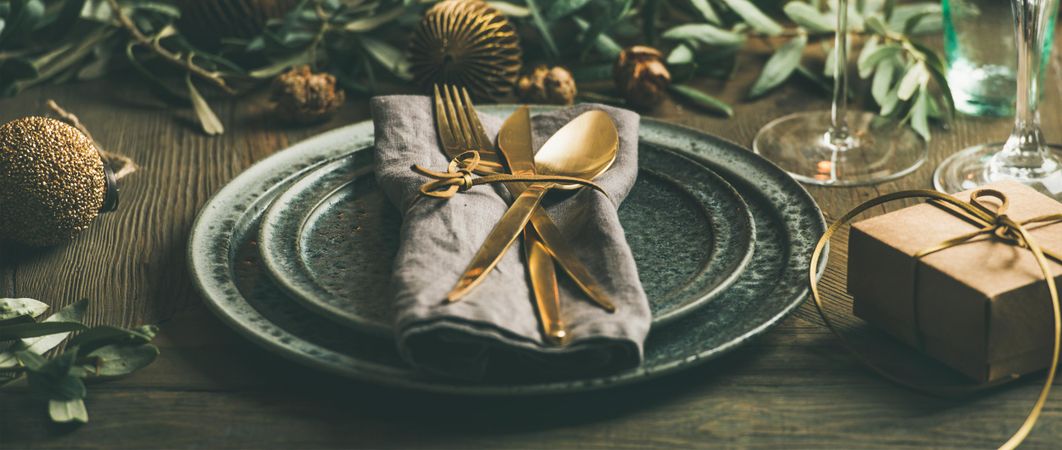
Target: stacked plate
[296, 254]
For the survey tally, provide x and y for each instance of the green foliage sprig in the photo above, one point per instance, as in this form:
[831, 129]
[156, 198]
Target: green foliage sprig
[363, 41]
[704, 37]
[98, 352]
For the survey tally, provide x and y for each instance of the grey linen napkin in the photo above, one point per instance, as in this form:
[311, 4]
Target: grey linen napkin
[494, 331]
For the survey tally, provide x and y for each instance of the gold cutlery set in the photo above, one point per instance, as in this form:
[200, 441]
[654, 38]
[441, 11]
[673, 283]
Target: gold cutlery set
[582, 150]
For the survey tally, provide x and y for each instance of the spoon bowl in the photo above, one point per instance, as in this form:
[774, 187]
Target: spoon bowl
[583, 148]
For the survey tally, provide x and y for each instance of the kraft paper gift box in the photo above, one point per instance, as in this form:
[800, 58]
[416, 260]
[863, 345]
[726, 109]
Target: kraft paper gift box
[981, 307]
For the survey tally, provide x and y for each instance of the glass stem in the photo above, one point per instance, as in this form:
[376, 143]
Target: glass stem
[1025, 147]
[838, 133]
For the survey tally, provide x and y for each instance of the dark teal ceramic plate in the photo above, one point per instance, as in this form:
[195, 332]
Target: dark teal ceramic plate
[329, 240]
[225, 265]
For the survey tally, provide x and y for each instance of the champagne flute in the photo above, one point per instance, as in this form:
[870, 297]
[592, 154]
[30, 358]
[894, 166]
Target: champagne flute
[1025, 156]
[840, 147]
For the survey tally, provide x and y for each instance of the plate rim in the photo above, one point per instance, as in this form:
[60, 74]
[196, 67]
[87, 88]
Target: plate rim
[272, 266]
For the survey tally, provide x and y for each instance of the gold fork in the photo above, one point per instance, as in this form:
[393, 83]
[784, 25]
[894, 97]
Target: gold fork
[465, 131]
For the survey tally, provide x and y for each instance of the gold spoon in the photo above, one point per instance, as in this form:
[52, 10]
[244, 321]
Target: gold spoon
[584, 148]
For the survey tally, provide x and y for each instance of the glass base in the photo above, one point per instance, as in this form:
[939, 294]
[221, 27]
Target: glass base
[872, 153]
[969, 169]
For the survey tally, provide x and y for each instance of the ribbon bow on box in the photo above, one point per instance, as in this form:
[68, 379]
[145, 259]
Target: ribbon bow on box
[991, 221]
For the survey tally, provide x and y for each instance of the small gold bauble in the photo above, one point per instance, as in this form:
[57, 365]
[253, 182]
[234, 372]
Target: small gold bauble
[209, 21]
[466, 43]
[52, 181]
[550, 85]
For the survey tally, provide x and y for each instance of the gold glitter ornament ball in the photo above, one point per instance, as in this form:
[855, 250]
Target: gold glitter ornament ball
[52, 183]
[466, 43]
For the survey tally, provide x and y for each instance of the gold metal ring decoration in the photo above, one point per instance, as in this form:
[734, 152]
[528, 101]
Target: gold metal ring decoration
[459, 177]
[990, 222]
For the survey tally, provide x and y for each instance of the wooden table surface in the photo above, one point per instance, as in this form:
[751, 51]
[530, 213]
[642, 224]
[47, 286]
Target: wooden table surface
[210, 388]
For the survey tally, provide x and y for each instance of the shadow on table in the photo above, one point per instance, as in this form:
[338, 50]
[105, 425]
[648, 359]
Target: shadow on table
[746, 376]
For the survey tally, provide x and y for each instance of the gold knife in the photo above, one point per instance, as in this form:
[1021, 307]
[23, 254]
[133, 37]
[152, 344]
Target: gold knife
[516, 134]
[544, 286]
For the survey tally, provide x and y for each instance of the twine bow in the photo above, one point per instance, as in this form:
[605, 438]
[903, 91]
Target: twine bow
[459, 177]
[990, 221]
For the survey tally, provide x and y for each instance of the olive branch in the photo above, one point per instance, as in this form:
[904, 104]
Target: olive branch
[28, 349]
[362, 42]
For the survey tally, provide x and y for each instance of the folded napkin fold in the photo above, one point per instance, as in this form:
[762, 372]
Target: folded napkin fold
[494, 331]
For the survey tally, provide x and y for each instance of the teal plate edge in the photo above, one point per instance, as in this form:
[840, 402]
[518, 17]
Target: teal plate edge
[227, 303]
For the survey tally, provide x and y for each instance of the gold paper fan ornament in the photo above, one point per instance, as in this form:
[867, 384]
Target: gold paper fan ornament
[466, 43]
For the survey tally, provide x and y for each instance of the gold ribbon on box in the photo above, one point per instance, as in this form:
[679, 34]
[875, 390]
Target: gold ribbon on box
[990, 221]
[459, 177]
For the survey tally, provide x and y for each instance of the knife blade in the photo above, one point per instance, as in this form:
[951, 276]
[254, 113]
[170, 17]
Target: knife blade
[543, 274]
[541, 269]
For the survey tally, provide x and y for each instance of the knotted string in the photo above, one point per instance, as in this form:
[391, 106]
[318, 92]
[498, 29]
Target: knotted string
[991, 222]
[459, 177]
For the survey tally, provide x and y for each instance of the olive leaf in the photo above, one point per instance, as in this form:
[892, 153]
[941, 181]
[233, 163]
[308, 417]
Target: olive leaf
[883, 78]
[276, 68]
[25, 16]
[814, 77]
[876, 55]
[388, 56]
[543, 28]
[74, 312]
[703, 34]
[754, 17]
[373, 22]
[52, 379]
[891, 101]
[96, 337]
[603, 42]
[681, 54]
[34, 329]
[829, 66]
[707, 12]
[779, 66]
[912, 15]
[874, 24]
[563, 8]
[920, 114]
[14, 307]
[915, 78]
[604, 21]
[63, 411]
[510, 9]
[701, 99]
[809, 17]
[207, 119]
[118, 359]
